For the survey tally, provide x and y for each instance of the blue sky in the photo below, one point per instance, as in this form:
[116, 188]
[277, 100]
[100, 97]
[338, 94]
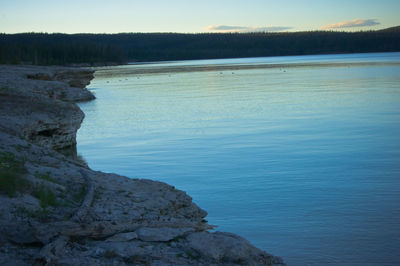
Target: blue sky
[112, 16]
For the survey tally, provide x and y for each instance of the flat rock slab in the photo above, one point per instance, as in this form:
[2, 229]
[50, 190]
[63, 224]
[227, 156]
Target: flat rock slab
[123, 237]
[163, 234]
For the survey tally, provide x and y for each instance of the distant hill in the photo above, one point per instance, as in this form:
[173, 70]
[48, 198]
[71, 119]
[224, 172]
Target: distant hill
[98, 49]
[392, 29]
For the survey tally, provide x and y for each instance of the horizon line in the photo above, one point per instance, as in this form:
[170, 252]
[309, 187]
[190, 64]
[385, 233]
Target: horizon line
[188, 33]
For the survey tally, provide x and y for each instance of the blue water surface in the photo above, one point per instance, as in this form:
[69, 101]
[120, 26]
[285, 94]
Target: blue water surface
[303, 161]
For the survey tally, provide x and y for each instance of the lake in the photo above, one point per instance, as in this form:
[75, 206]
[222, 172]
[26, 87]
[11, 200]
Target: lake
[298, 154]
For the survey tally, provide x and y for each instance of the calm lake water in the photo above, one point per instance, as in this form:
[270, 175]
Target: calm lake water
[300, 155]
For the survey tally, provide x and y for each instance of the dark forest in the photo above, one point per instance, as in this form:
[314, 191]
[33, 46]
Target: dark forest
[102, 49]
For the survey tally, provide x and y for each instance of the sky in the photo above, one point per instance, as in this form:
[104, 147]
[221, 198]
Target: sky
[187, 16]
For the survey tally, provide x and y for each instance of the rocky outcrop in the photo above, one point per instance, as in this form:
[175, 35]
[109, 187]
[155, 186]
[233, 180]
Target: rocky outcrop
[65, 84]
[56, 211]
[34, 103]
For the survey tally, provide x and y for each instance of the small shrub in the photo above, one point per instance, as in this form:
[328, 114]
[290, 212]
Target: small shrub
[135, 259]
[177, 238]
[46, 176]
[192, 255]
[82, 160]
[4, 91]
[109, 254]
[97, 194]
[18, 147]
[45, 196]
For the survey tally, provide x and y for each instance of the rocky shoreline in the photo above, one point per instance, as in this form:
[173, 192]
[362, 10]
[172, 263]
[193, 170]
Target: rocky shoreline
[55, 210]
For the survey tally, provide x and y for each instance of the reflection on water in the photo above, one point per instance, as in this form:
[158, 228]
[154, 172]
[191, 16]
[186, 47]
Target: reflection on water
[301, 157]
[281, 62]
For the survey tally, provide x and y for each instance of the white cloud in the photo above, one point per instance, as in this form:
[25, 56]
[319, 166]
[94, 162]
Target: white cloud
[226, 28]
[352, 24]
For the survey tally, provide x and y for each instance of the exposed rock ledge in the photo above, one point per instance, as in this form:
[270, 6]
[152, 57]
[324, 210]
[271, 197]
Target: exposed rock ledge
[56, 211]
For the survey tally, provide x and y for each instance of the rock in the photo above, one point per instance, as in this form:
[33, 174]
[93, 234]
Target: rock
[52, 251]
[63, 83]
[122, 237]
[19, 233]
[49, 124]
[74, 78]
[163, 234]
[226, 247]
[38, 104]
[39, 76]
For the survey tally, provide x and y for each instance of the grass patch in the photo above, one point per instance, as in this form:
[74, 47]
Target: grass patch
[11, 172]
[46, 176]
[45, 196]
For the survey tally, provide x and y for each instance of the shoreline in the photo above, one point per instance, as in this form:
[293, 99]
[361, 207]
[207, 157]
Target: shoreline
[63, 212]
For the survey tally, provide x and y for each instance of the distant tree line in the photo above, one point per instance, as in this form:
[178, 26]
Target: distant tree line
[66, 49]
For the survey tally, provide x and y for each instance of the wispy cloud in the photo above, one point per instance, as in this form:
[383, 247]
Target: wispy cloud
[352, 24]
[226, 28]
